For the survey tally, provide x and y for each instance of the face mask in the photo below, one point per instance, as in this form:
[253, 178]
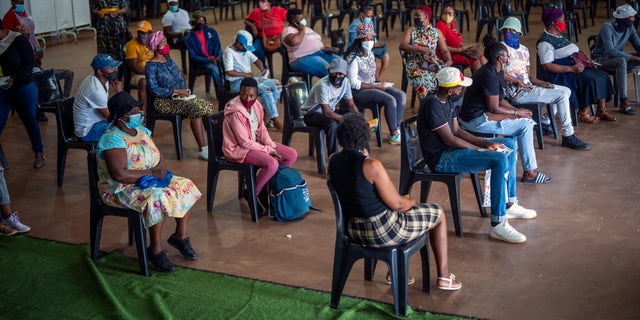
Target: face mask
[248, 104]
[199, 26]
[446, 18]
[367, 45]
[173, 8]
[456, 97]
[561, 25]
[143, 39]
[303, 22]
[336, 81]
[112, 76]
[624, 24]
[134, 120]
[19, 8]
[165, 50]
[367, 20]
[512, 39]
[417, 22]
[264, 6]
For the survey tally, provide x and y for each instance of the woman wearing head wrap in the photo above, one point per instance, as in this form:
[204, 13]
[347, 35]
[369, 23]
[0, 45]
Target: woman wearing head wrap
[167, 84]
[419, 46]
[588, 86]
[132, 176]
[365, 89]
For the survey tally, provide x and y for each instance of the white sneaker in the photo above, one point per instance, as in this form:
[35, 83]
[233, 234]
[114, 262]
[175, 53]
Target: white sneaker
[517, 211]
[204, 153]
[14, 222]
[294, 80]
[505, 232]
[395, 139]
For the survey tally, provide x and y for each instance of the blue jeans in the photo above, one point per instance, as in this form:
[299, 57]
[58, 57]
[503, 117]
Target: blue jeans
[259, 50]
[96, 131]
[213, 69]
[25, 100]
[268, 93]
[521, 128]
[315, 64]
[503, 171]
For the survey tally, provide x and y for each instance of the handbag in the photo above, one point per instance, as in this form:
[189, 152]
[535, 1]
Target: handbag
[48, 88]
[271, 44]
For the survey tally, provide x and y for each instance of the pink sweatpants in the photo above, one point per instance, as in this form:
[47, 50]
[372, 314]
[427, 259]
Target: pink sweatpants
[268, 164]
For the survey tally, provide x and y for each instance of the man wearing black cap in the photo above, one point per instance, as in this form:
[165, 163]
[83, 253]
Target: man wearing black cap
[204, 45]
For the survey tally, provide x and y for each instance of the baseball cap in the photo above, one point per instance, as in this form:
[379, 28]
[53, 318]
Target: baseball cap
[624, 11]
[104, 60]
[512, 23]
[338, 65]
[450, 77]
[246, 39]
[120, 104]
[169, 1]
[144, 26]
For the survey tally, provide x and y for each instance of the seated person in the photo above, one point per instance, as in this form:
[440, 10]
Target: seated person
[365, 89]
[304, 46]
[90, 110]
[523, 88]
[167, 86]
[9, 221]
[320, 107]
[237, 59]
[246, 139]
[127, 157]
[448, 148]
[588, 86]
[485, 110]
[460, 55]
[365, 15]
[267, 20]
[137, 54]
[375, 214]
[204, 45]
[175, 24]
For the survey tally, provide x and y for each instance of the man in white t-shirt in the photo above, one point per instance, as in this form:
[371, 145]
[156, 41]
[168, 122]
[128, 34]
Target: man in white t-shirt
[320, 108]
[175, 24]
[90, 111]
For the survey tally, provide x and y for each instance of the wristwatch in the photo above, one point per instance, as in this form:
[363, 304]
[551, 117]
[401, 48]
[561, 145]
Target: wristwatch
[515, 112]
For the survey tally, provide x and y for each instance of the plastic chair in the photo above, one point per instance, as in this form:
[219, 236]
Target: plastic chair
[346, 7]
[413, 169]
[295, 95]
[393, 12]
[540, 74]
[318, 14]
[174, 118]
[507, 11]
[536, 110]
[338, 40]
[375, 113]
[485, 16]
[66, 136]
[397, 259]
[126, 78]
[217, 163]
[288, 73]
[195, 71]
[574, 5]
[99, 210]
[223, 91]
[226, 4]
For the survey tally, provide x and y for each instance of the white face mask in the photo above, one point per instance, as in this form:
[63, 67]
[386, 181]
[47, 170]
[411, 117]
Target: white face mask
[303, 22]
[367, 45]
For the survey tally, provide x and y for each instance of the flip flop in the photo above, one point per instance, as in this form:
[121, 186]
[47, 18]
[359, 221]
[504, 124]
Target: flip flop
[629, 110]
[450, 287]
[410, 281]
[539, 178]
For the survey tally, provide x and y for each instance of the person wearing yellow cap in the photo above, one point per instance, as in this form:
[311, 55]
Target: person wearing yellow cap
[137, 54]
[448, 148]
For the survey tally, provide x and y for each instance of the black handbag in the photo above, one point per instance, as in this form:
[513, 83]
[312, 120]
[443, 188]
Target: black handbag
[48, 87]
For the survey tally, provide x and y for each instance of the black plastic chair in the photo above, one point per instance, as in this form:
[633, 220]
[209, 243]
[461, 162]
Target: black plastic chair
[574, 109]
[414, 169]
[126, 78]
[397, 259]
[392, 12]
[485, 16]
[318, 13]
[175, 118]
[66, 136]
[226, 4]
[346, 7]
[182, 47]
[99, 210]
[507, 11]
[375, 113]
[223, 90]
[536, 110]
[338, 40]
[217, 163]
[295, 95]
[288, 73]
[574, 5]
[194, 71]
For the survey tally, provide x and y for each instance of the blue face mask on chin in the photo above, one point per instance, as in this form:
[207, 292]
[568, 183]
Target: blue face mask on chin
[134, 120]
[19, 8]
[512, 39]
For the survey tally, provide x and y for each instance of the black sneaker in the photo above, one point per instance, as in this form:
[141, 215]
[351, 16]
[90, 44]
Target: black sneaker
[184, 246]
[573, 142]
[161, 261]
[546, 130]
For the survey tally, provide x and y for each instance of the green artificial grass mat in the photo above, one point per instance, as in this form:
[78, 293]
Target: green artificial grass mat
[43, 279]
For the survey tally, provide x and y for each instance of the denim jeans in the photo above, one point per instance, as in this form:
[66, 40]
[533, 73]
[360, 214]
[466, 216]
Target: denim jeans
[96, 131]
[521, 128]
[213, 69]
[620, 65]
[25, 99]
[315, 64]
[557, 98]
[268, 92]
[503, 172]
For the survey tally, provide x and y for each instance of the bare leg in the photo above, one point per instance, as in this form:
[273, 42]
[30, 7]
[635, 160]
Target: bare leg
[181, 226]
[381, 67]
[6, 210]
[440, 247]
[197, 127]
[155, 232]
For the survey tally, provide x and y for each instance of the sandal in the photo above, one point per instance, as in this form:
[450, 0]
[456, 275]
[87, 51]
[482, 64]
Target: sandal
[450, 280]
[539, 178]
[410, 281]
[604, 115]
[585, 117]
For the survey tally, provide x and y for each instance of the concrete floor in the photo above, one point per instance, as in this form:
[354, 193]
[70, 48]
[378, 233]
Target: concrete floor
[580, 261]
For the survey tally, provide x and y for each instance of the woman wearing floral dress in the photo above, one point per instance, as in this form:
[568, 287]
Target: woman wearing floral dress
[419, 46]
[112, 27]
[129, 164]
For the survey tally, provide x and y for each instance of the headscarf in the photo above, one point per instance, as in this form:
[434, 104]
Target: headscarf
[365, 30]
[154, 40]
[550, 15]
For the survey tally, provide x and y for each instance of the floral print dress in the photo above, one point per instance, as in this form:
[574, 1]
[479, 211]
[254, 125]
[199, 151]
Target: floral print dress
[174, 201]
[424, 81]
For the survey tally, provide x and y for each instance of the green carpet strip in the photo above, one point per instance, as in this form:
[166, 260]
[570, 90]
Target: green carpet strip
[44, 279]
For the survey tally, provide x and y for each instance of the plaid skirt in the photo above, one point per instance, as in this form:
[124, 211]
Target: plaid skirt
[391, 228]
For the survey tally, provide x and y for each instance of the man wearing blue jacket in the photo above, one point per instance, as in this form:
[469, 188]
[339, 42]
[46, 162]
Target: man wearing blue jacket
[204, 45]
[612, 38]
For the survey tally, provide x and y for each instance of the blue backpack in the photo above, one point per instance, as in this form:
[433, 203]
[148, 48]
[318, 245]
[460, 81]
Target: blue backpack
[288, 195]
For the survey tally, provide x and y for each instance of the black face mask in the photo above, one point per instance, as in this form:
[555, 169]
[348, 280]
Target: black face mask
[112, 76]
[336, 81]
[199, 26]
[417, 23]
[623, 24]
[456, 98]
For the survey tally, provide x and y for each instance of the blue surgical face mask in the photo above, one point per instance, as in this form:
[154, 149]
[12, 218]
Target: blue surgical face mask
[512, 39]
[173, 8]
[367, 20]
[19, 8]
[134, 120]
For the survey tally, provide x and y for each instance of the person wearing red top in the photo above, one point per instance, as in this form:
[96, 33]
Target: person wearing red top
[267, 20]
[469, 56]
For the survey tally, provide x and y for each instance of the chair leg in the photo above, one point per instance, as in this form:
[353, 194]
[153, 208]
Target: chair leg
[552, 120]
[62, 161]
[454, 199]
[425, 188]
[341, 268]
[95, 222]
[399, 278]
[212, 184]
[250, 181]
[177, 137]
[426, 268]
[319, 142]
[478, 191]
[137, 227]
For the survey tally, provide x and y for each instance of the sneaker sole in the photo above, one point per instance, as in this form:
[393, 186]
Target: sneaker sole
[505, 240]
[510, 216]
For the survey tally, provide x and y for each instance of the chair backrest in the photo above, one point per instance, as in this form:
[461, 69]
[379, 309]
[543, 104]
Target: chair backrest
[484, 10]
[92, 166]
[64, 112]
[214, 136]
[317, 9]
[506, 8]
[410, 152]
[338, 40]
[341, 236]
[295, 95]
[591, 43]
